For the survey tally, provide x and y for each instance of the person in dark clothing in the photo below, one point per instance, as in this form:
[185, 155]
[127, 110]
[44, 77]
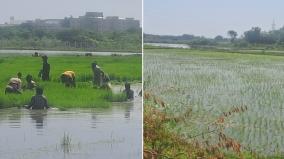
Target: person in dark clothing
[129, 93]
[44, 72]
[30, 83]
[100, 79]
[38, 101]
[98, 74]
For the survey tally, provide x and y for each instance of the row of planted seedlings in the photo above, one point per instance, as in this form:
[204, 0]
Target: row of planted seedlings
[216, 86]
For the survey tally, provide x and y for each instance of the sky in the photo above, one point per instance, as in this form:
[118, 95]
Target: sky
[210, 17]
[48, 9]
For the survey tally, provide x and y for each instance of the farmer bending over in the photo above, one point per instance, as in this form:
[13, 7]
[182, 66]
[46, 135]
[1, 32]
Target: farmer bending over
[30, 83]
[129, 93]
[14, 85]
[101, 79]
[68, 78]
[38, 101]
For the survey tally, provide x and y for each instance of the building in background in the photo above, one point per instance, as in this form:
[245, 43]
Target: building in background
[91, 20]
[96, 20]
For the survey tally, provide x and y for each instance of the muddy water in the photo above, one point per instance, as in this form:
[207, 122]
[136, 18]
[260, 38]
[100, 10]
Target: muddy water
[113, 132]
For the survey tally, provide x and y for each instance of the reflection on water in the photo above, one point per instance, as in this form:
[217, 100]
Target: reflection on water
[127, 111]
[114, 132]
[14, 120]
[37, 117]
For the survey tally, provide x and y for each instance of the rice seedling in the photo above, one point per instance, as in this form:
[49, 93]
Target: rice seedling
[120, 69]
[66, 143]
[244, 90]
[161, 142]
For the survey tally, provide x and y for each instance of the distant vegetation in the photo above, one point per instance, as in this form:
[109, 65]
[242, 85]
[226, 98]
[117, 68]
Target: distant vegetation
[254, 38]
[26, 36]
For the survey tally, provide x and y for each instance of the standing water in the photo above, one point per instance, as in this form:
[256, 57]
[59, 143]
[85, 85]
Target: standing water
[167, 45]
[113, 132]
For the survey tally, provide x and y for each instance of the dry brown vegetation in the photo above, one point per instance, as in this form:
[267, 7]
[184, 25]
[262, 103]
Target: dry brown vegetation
[161, 142]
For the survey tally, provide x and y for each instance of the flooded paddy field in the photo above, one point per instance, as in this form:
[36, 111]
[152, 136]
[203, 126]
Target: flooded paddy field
[82, 123]
[119, 69]
[209, 84]
[113, 132]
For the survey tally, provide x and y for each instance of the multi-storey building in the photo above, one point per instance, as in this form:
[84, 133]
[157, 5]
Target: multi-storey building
[91, 20]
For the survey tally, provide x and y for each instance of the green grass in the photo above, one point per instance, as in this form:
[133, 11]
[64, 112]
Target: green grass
[119, 68]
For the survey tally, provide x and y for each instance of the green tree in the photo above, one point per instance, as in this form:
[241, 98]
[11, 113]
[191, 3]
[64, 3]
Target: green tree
[233, 35]
[253, 35]
[219, 38]
[39, 33]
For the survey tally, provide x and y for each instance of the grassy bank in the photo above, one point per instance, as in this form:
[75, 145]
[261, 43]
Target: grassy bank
[119, 68]
[210, 84]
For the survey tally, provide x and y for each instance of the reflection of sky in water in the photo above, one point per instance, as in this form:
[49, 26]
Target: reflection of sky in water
[113, 132]
[184, 46]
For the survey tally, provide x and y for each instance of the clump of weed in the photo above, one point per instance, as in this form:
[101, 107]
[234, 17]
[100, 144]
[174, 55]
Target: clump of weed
[66, 143]
[161, 142]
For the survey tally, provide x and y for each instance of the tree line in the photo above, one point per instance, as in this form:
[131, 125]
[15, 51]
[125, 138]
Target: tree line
[254, 36]
[29, 37]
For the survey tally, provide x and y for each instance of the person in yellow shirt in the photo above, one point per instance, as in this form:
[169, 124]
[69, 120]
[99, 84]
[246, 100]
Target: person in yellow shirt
[68, 78]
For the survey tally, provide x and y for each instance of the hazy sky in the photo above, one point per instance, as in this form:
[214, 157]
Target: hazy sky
[32, 9]
[210, 17]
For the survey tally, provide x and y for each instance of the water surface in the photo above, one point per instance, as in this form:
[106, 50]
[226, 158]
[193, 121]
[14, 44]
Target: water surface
[113, 132]
[167, 45]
